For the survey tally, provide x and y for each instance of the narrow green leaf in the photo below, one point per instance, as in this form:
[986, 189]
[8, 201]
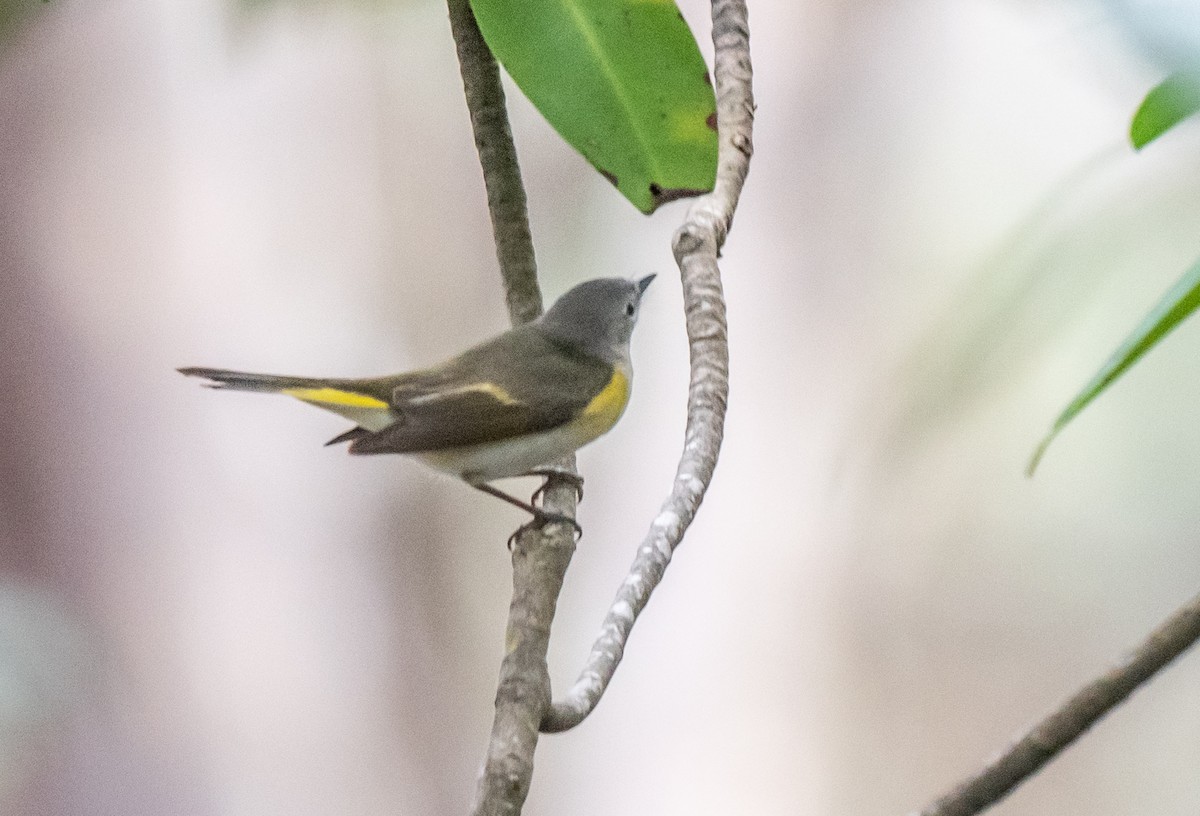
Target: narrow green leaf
[1179, 302]
[1171, 101]
[622, 81]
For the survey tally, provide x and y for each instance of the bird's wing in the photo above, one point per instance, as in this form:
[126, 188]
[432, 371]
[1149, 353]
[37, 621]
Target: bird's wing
[484, 396]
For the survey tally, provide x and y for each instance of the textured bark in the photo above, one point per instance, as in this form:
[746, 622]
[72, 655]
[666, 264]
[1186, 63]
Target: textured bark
[540, 558]
[498, 157]
[1053, 734]
[697, 245]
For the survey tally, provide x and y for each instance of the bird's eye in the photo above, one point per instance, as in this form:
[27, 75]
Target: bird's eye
[629, 309]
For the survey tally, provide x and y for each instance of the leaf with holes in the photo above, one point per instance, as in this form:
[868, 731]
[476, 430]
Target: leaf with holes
[1179, 302]
[622, 81]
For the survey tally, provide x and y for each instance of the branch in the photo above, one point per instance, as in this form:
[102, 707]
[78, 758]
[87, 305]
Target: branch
[540, 558]
[696, 245]
[498, 157]
[1048, 738]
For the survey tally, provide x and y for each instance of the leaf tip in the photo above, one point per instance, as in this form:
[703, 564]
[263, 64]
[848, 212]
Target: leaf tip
[1038, 452]
[1167, 104]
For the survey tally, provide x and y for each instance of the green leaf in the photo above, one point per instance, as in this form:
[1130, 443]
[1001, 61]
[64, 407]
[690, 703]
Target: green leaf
[1174, 99]
[622, 81]
[1179, 302]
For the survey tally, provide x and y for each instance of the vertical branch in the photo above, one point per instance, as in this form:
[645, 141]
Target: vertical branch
[696, 245]
[498, 157]
[540, 557]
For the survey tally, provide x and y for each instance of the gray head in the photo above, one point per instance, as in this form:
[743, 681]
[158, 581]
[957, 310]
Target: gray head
[598, 316]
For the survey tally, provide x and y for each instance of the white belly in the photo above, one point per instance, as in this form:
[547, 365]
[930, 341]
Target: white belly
[501, 460]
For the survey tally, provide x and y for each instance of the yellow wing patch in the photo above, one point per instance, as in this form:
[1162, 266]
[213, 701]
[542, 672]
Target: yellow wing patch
[491, 389]
[334, 396]
[607, 406]
[497, 393]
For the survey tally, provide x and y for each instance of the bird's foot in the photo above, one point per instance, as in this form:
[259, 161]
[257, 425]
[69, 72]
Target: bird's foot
[542, 518]
[552, 473]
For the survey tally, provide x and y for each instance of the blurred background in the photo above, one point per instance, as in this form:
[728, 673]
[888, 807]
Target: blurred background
[203, 612]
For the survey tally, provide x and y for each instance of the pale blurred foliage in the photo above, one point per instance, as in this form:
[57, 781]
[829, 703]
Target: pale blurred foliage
[205, 612]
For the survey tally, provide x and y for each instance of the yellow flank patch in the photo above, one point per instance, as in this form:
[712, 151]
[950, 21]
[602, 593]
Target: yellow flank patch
[606, 407]
[334, 396]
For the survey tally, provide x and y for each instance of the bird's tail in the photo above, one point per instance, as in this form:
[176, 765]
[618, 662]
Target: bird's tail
[364, 402]
[244, 381]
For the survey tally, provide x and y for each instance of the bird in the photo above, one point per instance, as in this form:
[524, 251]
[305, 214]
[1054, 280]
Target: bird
[509, 406]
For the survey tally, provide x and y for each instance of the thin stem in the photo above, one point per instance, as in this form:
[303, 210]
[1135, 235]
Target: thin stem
[1052, 735]
[498, 157]
[540, 558]
[696, 245]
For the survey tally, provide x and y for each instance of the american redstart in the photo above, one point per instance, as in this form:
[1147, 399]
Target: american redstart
[506, 407]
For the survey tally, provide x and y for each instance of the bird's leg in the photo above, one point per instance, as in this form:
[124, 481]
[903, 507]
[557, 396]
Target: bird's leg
[550, 473]
[540, 517]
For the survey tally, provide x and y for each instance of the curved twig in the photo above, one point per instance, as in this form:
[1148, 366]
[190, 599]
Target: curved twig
[540, 558]
[696, 245]
[1049, 737]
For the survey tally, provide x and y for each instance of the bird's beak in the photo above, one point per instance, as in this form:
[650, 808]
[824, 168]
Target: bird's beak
[644, 283]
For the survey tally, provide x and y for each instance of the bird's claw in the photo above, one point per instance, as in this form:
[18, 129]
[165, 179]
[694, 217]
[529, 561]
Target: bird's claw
[540, 520]
[551, 474]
